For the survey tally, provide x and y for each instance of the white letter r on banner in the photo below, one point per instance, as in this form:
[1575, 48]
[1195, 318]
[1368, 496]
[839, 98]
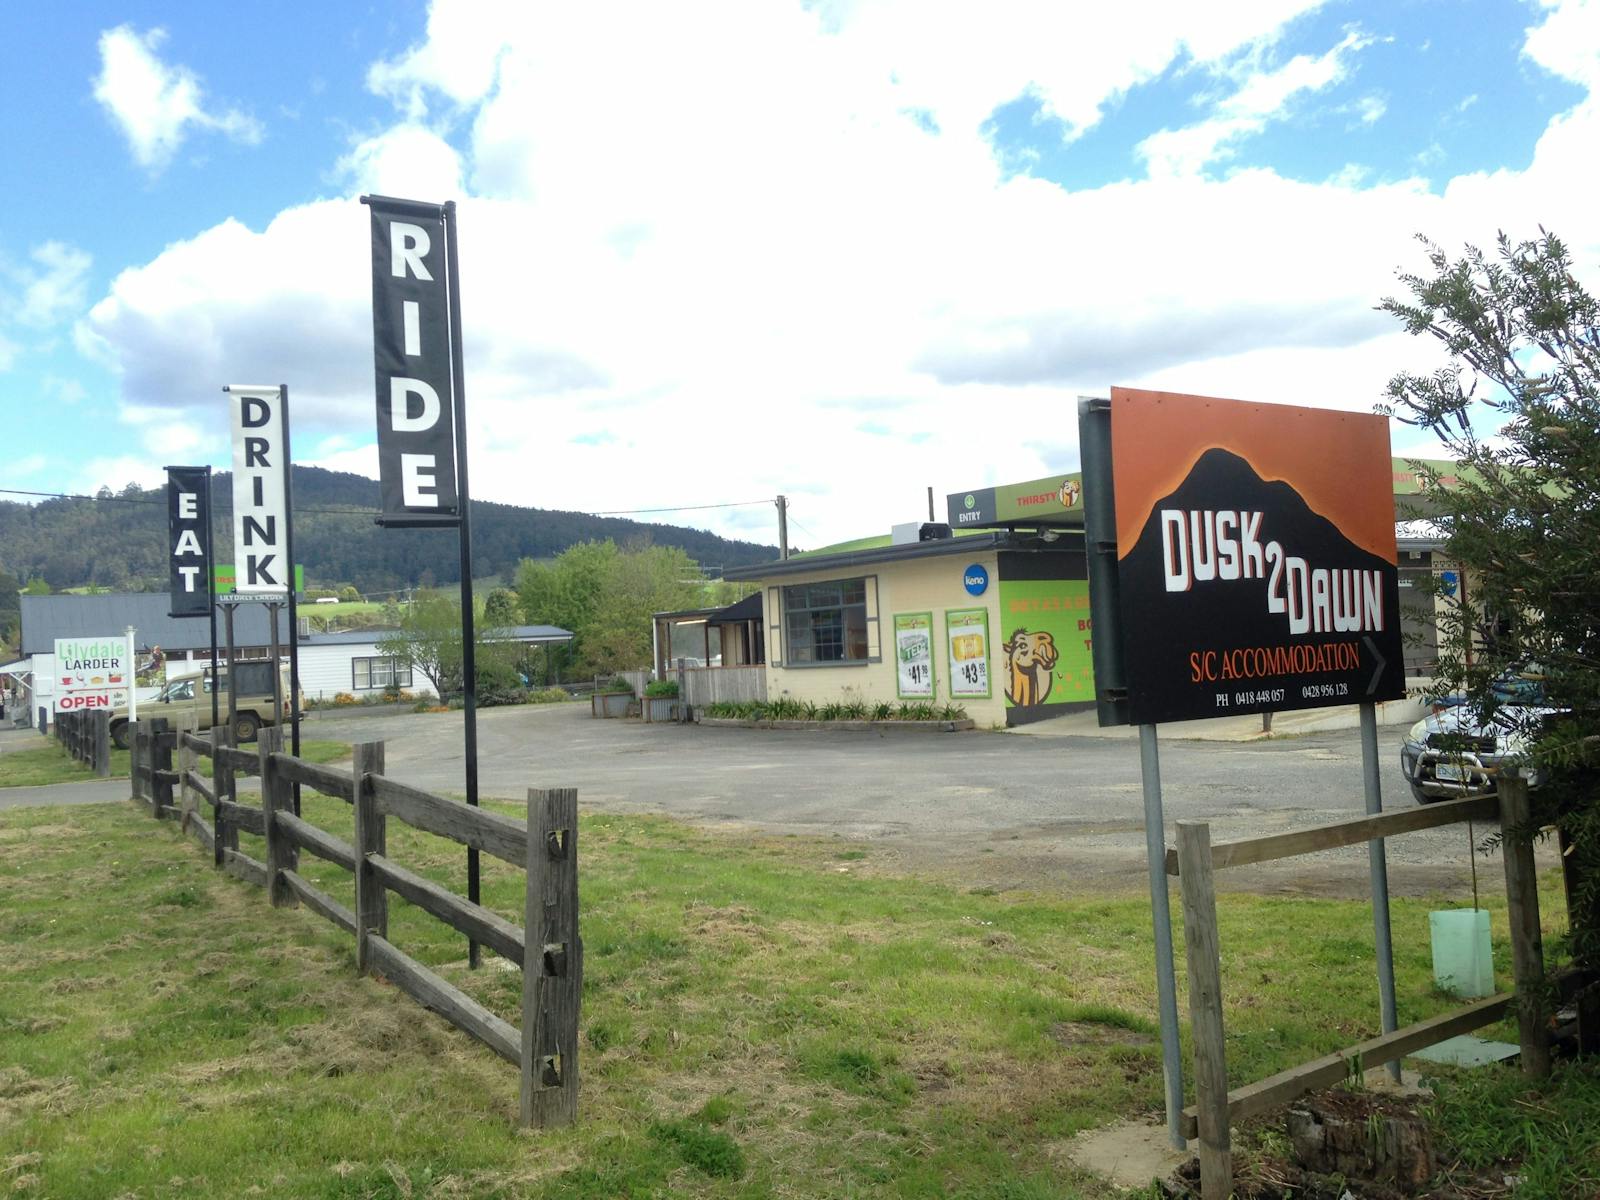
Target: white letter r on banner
[407, 244]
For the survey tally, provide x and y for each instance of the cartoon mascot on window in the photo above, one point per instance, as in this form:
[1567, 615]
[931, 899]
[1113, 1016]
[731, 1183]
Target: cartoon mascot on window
[1030, 659]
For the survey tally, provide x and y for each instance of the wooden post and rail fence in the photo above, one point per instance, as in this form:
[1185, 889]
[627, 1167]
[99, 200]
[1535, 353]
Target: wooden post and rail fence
[1195, 862]
[547, 946]
[87, 738]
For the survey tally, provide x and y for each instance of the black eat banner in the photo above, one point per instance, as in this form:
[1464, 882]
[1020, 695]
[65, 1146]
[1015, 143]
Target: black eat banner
[412, 352]
[189, 540]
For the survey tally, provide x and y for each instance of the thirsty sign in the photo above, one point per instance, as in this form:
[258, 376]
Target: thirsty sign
[92, 673]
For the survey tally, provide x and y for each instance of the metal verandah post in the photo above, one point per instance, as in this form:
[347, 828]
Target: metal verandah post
[469, 665]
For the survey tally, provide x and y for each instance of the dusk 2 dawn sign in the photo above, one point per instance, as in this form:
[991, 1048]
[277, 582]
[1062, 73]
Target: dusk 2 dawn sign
[1255, 556]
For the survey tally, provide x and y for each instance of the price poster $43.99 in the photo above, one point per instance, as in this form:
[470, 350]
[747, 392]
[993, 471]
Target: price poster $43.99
[967, 633]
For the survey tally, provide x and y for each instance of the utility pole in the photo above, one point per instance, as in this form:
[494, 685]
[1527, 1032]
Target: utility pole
[783, 527]
[930, 502]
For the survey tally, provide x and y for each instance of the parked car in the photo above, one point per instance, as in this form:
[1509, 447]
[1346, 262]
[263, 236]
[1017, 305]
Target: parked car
[187, 698]
[1456, 751]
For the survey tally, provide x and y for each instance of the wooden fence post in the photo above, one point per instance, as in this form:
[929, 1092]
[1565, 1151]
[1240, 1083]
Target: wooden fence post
[102, 744]
[187, 761]
[221, 786]
[552, 961]
[136, 757]
[372, 898]
[1522, 917]
[160, 760]
[1205, 1009]
[274, 798]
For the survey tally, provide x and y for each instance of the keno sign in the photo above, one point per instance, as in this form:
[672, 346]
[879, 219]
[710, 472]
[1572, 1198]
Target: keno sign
[91, 673]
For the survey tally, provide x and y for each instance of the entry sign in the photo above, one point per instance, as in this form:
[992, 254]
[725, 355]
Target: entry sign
[412, 356]
[92, 673]
[1255, 551]
[260, 515]
[188, 527]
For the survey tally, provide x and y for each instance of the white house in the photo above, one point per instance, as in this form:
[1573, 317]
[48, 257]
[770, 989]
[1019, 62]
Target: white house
[350, 662]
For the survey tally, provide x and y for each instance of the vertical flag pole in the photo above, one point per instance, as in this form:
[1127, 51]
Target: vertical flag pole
[468, 648]
[294, 619]
[133, 678]
[211, 602]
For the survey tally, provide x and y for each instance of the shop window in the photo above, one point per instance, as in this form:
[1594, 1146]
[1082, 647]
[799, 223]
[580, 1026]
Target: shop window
[826, 622]
[370, 673]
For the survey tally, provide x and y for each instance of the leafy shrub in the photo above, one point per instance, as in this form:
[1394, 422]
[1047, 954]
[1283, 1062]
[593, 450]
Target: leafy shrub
[661, 689]
[615, 685]
[549, 695]
[344, 700]
[786, 709]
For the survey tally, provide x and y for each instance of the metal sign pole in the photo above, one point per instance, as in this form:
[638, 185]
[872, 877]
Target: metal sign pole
[294, 615]
[468, 649]
[211, 597]
[1378, 869]
[1155, 848]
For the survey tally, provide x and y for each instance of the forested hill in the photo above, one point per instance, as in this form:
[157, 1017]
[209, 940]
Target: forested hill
[122, 545]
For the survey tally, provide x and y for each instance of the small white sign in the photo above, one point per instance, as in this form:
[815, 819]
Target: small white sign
[92, 673]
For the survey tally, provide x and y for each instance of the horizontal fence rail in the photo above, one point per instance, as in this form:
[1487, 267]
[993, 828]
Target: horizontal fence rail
[1196, 860]
[546, 1048]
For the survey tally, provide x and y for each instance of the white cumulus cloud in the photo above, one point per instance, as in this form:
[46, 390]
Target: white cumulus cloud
[761, 247]
[156, 104]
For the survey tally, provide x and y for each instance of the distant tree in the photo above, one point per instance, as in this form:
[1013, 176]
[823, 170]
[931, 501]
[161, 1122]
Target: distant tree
[349, 595]
[1518, 405]
[606, 596]
[502, 609]
[37, 587]
[429, 638]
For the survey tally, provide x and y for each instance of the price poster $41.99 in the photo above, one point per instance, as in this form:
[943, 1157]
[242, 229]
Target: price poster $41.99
[913, 654]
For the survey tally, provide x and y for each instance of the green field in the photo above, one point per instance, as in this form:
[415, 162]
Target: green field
[48, 762]
[763, 1017]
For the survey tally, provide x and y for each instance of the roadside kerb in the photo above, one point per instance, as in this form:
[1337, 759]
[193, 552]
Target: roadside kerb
[961, 726]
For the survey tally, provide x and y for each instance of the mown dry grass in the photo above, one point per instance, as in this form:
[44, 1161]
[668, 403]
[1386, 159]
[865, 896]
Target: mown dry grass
[763, 1017]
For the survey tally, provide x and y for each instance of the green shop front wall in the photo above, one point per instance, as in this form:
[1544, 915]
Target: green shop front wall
[1042, 649]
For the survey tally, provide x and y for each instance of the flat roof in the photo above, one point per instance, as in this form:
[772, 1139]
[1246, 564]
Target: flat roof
[976, 543]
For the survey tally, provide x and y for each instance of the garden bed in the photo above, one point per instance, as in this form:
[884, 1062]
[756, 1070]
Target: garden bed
[898, 726]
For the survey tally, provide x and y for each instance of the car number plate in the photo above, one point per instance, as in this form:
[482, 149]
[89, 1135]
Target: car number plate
[1449, 773]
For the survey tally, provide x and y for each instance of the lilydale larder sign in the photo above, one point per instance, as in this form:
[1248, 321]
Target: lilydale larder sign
[1254, 562]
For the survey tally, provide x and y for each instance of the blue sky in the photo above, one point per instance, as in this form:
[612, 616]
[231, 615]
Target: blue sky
[841, 250]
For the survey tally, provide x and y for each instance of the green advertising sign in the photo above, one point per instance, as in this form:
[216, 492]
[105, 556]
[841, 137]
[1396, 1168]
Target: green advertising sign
[1053, 500]
[913, 656]
[1045, 657]
[223, 573]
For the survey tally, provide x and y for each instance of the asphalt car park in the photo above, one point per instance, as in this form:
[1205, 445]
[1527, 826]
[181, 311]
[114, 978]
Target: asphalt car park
[998, 809]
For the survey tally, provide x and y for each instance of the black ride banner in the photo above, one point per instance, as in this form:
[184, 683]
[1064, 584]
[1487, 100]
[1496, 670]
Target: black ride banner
[188, 540]
[412, 357]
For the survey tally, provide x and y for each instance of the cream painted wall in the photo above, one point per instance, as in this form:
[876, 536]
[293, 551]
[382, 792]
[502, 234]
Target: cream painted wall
[919, 585]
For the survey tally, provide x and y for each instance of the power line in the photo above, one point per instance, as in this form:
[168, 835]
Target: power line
[624, 512]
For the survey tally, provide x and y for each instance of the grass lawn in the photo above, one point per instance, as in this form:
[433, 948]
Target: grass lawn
[762, 1017]
[49, 762]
